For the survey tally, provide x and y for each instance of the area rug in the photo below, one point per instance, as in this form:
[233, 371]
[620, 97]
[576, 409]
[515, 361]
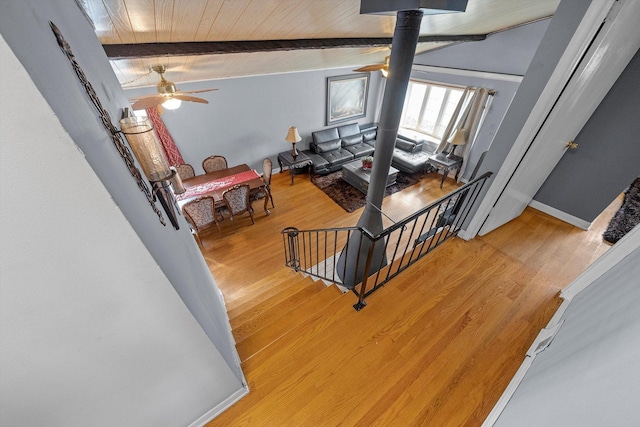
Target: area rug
[351, 199]
[627, 217]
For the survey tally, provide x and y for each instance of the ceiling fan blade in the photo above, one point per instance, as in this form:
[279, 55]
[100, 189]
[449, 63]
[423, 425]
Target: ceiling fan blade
[137, 98]
[199, 91]
[183, 97]
[374, 67]
[148, 102]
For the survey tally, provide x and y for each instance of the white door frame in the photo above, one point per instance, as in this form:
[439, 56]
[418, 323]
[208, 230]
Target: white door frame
[569, 61]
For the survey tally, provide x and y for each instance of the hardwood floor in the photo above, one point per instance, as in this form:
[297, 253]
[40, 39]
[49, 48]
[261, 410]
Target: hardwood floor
[435, 347]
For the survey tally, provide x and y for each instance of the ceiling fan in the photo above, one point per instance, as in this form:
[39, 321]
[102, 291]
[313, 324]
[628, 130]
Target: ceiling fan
[384, 68]
[168, 96]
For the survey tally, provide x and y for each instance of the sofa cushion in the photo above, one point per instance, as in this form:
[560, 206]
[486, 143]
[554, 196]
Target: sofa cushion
[410, 162]
[349, 130]
[369, 137]
[351, 140]
[405, 145]
[337, 157]
[360, 150]
[325, 135]
[325, 147]
[320, 164]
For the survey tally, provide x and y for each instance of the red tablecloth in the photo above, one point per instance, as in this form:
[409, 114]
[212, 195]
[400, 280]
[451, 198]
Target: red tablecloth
[218, 184]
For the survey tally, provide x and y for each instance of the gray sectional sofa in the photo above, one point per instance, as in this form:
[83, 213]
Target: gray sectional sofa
[411, 156]
[331, 148]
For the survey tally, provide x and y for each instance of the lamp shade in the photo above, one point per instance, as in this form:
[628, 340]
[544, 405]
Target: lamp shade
[146, 147]
[293, 136]
[459, 137]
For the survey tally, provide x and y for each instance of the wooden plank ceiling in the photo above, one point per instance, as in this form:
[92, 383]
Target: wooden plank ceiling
[123, 22]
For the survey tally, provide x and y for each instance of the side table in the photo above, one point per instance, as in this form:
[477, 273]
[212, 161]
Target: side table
[441, 161]
[301, 161]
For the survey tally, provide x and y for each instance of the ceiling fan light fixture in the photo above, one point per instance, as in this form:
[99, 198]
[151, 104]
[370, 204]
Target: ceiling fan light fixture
[167, 96]
[172, 104]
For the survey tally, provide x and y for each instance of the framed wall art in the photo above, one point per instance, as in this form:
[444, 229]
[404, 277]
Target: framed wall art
[347, 97]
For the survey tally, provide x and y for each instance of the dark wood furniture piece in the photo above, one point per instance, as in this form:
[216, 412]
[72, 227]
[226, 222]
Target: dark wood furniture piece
[255, 185]
[442, 161]
[301, 161]
[267, 169]
[358, 177]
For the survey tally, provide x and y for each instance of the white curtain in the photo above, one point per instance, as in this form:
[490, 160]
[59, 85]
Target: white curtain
[452, 123]
[467, 122]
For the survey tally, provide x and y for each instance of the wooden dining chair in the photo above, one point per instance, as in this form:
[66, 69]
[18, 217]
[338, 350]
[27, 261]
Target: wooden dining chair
[267, 169]
[214, 163]
[236, 201]
[201, 214]
[185, 171]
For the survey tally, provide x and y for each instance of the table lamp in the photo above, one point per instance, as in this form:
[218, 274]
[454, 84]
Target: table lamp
[458, 139]
[293, 136]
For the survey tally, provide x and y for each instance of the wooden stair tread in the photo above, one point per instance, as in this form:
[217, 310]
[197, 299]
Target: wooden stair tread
[257, 288]
[255, 318]
[286, 286]
[279, 327]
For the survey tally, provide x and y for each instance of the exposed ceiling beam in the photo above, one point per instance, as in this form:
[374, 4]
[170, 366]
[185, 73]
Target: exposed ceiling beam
[146, 50]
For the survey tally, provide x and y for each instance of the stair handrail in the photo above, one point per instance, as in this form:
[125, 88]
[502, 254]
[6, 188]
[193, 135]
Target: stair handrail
[442, 226]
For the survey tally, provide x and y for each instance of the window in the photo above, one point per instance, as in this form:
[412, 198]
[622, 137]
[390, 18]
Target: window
[428, 107]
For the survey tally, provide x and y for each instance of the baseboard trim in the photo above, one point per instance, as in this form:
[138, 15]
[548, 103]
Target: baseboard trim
[562, 216]
[220, 408]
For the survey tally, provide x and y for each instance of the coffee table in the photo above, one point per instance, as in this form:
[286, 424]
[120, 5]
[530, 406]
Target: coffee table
[353, 173]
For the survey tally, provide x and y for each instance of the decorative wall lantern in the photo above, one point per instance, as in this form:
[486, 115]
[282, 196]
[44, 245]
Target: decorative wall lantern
[148, 150]
[160, 188]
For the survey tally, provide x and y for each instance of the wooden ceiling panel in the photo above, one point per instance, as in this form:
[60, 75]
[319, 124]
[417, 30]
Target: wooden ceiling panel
[204, 23]
[117, 13]
[175, 21]
[229, 15]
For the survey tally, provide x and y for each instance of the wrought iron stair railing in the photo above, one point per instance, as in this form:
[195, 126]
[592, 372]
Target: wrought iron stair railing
[317, 252]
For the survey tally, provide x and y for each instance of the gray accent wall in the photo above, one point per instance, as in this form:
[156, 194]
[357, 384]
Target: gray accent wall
[248, 118]
[607, 160]
[506, 52]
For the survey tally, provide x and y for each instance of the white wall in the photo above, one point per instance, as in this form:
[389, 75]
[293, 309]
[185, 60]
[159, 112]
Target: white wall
[91, 330]
[589, 374]
[24, 24]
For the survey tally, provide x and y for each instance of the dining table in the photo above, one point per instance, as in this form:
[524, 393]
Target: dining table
[215, 183]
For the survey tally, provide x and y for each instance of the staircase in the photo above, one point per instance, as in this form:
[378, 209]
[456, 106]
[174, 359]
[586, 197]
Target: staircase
[267, 311]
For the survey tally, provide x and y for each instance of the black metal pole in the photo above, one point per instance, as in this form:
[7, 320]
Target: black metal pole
[403, 47]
